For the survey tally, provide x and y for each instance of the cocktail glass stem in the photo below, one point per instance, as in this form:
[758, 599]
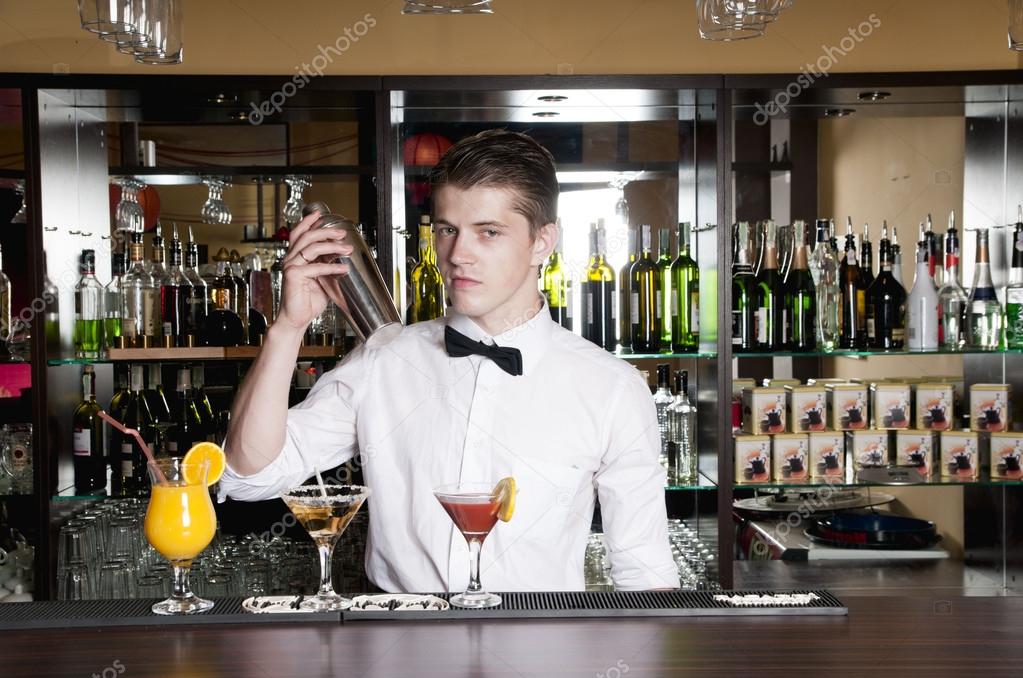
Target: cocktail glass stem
[475, 548]
[179, 588]
[326, 587]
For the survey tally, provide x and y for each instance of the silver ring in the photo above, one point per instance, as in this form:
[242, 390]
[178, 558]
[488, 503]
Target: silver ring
[303, 257]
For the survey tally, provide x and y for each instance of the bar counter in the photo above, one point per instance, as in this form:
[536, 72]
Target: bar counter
[880, 636]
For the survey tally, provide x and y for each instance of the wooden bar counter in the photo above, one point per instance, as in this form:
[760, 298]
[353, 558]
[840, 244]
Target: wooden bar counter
[880, 636]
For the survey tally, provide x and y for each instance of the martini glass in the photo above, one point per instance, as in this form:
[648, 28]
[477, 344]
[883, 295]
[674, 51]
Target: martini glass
[325, 511]
[473, 508]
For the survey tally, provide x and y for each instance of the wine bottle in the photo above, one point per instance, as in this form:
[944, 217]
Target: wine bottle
[90, 465]
[188, 426]
[157, 258]
[1014, 290]
[952, 298]
[896, 256]
[131, 462]
[769, 295]
[557, 286]
[800, 296]
[198, 303]
[667, 293]
[140, 308]
[598, 294]
[743, 282]
[984, 312]
[663, 398]
[854, 298]
[682, 461]
[887, 301]
[625, 328]
[824, 270]
[175, 296]
[427, 285]
[685, 295]
[922, 306]
[202, 401]
[867, 256]
[646, 295]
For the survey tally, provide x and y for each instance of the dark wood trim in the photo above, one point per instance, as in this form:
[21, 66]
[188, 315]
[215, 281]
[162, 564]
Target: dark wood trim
[883, 79]
[492, 82]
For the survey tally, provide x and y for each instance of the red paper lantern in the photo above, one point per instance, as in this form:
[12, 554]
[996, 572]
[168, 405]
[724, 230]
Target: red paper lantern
[149, 199]
[425, 149]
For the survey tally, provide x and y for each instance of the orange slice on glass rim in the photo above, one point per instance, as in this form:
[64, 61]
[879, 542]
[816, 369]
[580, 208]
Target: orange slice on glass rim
[201, 452]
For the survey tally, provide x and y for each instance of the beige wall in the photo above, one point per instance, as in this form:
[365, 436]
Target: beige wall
[523, 36]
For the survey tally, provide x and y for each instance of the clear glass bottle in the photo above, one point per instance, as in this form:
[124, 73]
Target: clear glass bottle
[685, 295]
[682, 458]
[983, 310]
[88, 336]
[175, 297]
[824, 269]
[663, 398]
[157, 258]
[113, 302]
[140, 308]
[922, 305]
[952, 298]
[1014, 291]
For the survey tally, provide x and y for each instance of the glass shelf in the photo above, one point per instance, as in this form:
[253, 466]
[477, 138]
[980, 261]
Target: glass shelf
[128, 355]
[702, 483]
[934, 481]
[856, 353]
[628, 355]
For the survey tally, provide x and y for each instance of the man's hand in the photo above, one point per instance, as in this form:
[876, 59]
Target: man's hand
[302, 297]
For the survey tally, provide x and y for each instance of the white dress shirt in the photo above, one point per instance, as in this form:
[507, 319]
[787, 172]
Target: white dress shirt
[578, 423]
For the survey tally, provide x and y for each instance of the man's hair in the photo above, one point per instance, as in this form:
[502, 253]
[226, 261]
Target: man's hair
[498, 158]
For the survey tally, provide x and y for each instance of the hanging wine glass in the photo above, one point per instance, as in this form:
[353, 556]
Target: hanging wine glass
[293, 208]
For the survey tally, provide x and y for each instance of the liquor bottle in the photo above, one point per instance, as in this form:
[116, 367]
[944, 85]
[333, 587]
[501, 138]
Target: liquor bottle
[983, 311]
[1014, 291]
[188, 424]
[743, 282]
[598, 294]
[198, 303]
[626, 329]
[768, 295]
[90, 464]
[644, 305]
[685, 295]
[886, 323]
[667, 296]
[427, 284]
[850, 244]
[934, 250]
[854, 298]
[922, 306]
[88, 309]
[140, 309]
[896, 256]
[824, 270]
[51, 314]
[952, 298]
[800, 296]
[241, 297]
[156, 397]
[118, 403]
[157, 258]
[5, 303]
[175, 296]
[222, 325]
[663, 398]
[130, 467]
[113, 302]
[867, 256]
[682, 462]
[203, 402]
[557, 285]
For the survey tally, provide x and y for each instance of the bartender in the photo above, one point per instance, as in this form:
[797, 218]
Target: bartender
[494, 389]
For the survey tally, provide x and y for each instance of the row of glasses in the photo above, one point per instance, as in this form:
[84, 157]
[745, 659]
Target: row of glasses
[152, 31]
[730, 20]
[294, 206]
[215, 210]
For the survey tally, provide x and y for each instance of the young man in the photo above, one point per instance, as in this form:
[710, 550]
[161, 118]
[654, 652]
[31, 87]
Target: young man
[567, 420]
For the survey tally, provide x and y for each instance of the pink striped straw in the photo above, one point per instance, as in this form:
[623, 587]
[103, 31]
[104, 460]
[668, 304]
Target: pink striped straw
[142, 443]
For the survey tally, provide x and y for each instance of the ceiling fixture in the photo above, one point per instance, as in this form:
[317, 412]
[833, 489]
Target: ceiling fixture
[838, 112]
[873, 96]
[730, 20]
[552, 98]
[220, 98]
[148, 30]
[546, 114]
[447, 7]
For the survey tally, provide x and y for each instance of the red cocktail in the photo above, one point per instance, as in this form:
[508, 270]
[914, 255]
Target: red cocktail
[473, 516]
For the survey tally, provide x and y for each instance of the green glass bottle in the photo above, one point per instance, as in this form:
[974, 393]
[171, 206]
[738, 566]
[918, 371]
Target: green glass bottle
[644, 305]
[598, 294]
[1014, 294]
[800, 296]
[625, 329]
[667, 296]
[557, 286]
[427, 284]
[685, 295]
[768, 295]
[743, 282]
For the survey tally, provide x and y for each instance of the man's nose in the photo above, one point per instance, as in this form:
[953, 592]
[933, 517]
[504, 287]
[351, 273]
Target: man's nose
[461, 251]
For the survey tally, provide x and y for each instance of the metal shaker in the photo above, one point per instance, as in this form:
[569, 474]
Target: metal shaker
[361, 294]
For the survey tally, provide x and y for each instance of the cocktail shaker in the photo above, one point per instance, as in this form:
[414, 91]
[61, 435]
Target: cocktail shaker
[361, 294]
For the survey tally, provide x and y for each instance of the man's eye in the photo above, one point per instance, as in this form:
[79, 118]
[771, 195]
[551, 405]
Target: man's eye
[447, 230]
[491, 233]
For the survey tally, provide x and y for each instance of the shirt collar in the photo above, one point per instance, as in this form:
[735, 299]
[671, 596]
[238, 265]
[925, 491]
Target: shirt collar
[531, 337]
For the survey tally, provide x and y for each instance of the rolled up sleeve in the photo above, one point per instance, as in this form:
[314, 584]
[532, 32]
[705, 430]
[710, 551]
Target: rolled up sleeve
[630, 484]
[320, 434]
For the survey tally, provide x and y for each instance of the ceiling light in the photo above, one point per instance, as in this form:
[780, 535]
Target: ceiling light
[838, 112]
[873, 96]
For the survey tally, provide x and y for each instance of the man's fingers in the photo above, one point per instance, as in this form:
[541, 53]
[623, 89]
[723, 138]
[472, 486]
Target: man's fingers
[304, 225]
[305, 239]
[316, 270]
[308, 255]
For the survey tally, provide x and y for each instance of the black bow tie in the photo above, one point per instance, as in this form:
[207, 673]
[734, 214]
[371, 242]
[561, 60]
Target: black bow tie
[458, 346]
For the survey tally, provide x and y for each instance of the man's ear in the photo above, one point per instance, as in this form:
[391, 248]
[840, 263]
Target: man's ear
[544, 243]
